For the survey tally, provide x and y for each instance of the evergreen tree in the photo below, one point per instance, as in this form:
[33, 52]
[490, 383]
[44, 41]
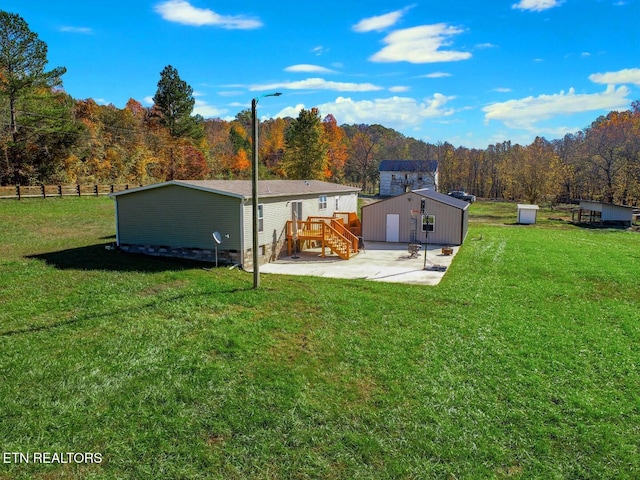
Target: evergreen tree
[174, 104]
[23, 57]
[174, 101]
[306, 155]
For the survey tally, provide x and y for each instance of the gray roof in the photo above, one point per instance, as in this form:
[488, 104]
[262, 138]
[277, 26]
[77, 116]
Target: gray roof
[408, 166]
[601, 202]
[432, 195]
[443, 198]
[266, 188]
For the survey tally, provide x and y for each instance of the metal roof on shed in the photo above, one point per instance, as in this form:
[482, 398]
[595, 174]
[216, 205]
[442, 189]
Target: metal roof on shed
[242, 188]
[433, 195]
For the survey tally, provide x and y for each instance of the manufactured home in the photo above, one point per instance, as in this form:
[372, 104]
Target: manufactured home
[179, 218]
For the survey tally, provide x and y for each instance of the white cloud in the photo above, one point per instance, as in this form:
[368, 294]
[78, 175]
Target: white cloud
[306, 68]
[502, 90]
[395, 112]
[399, 89]
[84, 30]
[319, 50]
[148, 100]
[420, 45]
[435, 75]
[482, 46]
[181, 11]
[231, 93]
[536, 5]
[628, 75]
[207, 111]
[380, 22]
[318, 84]
[525, 113]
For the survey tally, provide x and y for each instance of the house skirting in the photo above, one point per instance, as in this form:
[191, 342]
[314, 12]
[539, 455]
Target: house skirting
[268, 253]
[227, 257]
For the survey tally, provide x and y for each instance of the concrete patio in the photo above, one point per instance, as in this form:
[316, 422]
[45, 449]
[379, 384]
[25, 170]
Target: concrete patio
[379, 261]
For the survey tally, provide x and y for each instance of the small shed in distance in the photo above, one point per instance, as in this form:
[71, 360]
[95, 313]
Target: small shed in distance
[603, 213]
[527, 214]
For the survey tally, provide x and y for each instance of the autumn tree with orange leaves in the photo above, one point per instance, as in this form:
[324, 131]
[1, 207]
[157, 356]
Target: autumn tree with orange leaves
[337, 148]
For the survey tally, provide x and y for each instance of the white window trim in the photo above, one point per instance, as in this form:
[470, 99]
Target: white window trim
[261, 217]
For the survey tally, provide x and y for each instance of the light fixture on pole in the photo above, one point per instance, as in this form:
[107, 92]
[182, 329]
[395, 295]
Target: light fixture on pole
[254, 185]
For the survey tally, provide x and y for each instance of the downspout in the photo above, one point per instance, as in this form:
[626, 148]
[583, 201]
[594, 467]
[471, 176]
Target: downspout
[117, 223]
[242, 250]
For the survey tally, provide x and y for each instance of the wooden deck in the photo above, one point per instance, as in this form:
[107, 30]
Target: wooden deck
[331, 232]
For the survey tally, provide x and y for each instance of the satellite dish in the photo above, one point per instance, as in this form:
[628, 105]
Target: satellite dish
[217, 238]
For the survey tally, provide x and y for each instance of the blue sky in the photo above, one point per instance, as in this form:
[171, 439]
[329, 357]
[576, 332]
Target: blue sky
[471, 73]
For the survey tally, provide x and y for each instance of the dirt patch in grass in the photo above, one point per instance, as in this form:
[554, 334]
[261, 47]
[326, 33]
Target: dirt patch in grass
[290, 346]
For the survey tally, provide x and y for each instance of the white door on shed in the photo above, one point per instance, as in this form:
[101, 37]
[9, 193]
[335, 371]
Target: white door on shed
[393, 227]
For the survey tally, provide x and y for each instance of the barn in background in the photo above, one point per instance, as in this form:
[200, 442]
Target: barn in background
[602, 213]
[394, 219]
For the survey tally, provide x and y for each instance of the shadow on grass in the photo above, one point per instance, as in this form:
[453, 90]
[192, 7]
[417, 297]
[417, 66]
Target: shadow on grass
[600, 226]
[97, 257]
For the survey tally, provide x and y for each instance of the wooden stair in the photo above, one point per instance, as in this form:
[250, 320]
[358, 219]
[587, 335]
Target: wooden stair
[330, 231]
[339, 244]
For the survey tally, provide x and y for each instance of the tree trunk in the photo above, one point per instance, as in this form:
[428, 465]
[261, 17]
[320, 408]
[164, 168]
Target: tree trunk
[14, 154]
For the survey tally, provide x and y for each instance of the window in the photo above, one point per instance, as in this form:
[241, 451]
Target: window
[322, 202]
[296, 211]
[428, 223]
[260, 218]
[337, 209]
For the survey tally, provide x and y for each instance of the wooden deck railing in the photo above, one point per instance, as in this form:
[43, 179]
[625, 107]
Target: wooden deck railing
[343, 230]
[343, 222]
[352, 221]
[319, 229]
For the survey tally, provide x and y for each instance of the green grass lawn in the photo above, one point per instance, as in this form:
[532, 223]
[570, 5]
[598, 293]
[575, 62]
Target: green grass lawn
[522, 363]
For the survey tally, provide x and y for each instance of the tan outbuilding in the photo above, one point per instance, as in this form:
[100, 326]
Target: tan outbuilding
[401, 219]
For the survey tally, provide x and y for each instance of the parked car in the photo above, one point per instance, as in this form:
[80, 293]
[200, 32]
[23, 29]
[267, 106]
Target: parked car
[467, 197]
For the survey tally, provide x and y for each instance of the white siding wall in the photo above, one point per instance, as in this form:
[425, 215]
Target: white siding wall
[610, 213]
[277, 211]
[396, 183]
[617, 213]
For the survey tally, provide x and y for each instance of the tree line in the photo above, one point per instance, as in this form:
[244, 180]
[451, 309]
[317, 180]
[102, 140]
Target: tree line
[48, 137]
